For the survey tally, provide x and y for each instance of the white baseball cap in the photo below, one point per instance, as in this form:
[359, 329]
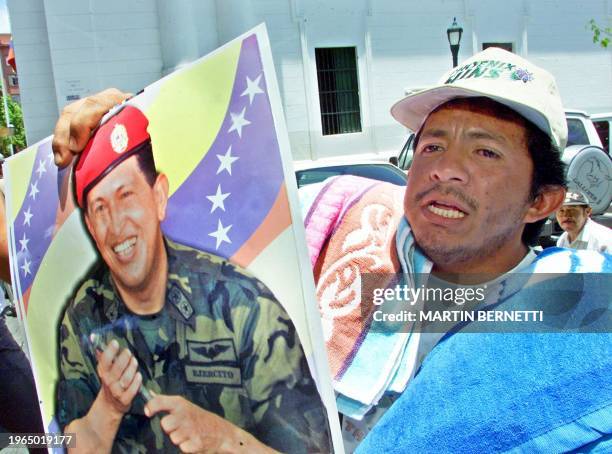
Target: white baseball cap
[575, 197]
[502, 76]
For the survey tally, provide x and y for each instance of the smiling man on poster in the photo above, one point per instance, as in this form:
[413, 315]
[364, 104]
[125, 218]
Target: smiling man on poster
[210, 342]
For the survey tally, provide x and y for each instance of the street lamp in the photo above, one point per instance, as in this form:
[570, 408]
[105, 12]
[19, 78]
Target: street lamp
[454, 33]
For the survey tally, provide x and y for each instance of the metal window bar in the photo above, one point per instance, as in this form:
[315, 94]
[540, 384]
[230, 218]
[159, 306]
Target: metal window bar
[338, 90]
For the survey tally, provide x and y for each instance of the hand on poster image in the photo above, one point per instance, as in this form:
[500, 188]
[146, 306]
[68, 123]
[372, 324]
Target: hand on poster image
[79, 120]
[119, 376]
[193, 429]
[188, 426]
[120, 382]
[99, 347]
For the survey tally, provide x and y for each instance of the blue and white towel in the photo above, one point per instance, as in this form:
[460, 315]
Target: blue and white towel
[518, 392]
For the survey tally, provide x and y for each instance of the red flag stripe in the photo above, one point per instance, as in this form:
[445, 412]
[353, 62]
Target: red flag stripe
[275, 222]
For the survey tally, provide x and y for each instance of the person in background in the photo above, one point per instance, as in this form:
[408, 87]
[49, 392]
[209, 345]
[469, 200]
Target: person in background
[580, 231]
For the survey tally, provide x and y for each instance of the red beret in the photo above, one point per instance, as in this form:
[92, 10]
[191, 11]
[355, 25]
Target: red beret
[120, 137]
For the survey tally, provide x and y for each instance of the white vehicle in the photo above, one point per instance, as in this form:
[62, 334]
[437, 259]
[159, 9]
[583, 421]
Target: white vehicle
[376, 168]
[580, 129]
[589, 168]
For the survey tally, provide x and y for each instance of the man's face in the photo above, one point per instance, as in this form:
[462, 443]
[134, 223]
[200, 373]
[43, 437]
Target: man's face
[572, 218]
[468, 191]
[123, 216]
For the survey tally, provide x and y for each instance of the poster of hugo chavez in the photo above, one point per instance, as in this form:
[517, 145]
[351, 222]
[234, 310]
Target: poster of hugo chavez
[163, 277]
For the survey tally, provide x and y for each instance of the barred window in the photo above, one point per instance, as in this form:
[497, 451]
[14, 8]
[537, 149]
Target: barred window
[338, 90]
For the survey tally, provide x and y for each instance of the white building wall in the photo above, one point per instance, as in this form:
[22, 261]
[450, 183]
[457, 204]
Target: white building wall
[400, 45]
[36, 83]
[234, 17]
[341, 23]
[205, 23]
[284, 21]
[560, 41]
[410, 48]
[409, 51]
[495, 21]
[100, 44]
[187, 30]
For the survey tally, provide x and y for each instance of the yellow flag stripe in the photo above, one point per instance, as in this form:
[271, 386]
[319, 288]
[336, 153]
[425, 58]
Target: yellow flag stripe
[20, 170]
[186, 116]
[51, 290]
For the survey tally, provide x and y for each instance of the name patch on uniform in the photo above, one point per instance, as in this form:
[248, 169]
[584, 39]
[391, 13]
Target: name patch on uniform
[214, 375]
[219, 350]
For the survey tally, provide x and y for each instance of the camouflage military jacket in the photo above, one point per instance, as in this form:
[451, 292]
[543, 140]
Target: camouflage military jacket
[234, 351]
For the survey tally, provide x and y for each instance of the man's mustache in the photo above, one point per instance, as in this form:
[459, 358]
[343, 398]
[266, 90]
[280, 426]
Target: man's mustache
[448, 190]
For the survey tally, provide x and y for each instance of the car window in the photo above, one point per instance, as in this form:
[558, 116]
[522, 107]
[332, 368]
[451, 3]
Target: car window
[381, 172]
[603, 130]
[576, 134]
[404, 159]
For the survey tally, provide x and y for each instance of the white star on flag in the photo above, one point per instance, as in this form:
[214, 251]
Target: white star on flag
[41, 168]
[24, 243]
[238, 121]
[252, 88]
[221, 234]
[226, 161]
[217, 199]
[34, 190]
[27, 216]
[26, 267]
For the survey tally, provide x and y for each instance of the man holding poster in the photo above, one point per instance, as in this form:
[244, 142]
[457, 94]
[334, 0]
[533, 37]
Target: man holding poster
[483, 173]
[185, 334]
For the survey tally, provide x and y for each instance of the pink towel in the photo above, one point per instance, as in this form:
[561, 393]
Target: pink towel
[350, 230]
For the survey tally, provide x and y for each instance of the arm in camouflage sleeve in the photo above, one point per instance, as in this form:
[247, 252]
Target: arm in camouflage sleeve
[94, 424]
[288, 409]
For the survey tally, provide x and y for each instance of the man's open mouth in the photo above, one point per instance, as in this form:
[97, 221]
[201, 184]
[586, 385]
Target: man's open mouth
[445, 211]
[125, 248]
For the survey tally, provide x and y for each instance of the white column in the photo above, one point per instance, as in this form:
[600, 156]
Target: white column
[525, 23]
[368, 64]
[298, 17]
[469, 17]
[234, 17]
[178, 33]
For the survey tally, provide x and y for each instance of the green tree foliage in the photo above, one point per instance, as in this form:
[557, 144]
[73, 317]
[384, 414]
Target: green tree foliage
[18, 139]
[600, 35]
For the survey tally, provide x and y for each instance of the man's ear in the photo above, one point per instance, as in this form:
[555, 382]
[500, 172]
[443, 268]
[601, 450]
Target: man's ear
[548, 201]
[160, 191]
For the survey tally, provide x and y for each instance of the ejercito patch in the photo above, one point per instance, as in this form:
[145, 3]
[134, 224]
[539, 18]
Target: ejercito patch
[214, 375]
